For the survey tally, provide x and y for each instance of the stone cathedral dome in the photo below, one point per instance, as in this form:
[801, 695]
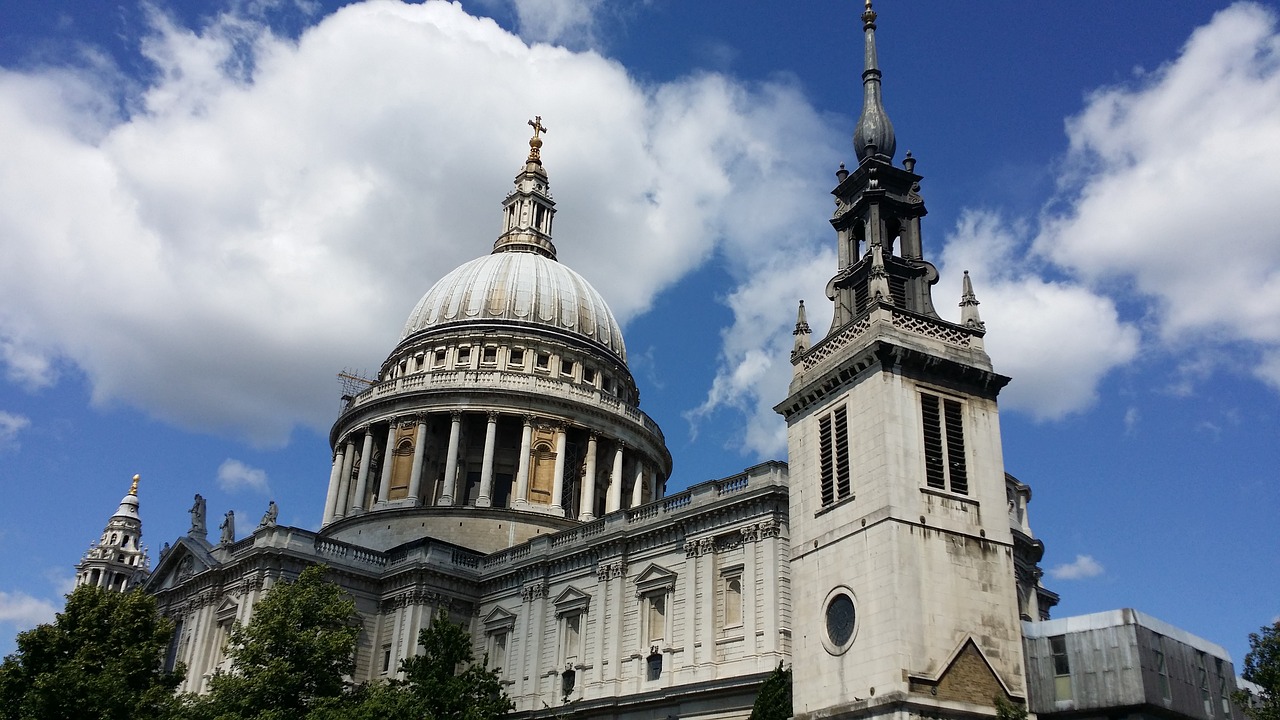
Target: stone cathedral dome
[512, 287]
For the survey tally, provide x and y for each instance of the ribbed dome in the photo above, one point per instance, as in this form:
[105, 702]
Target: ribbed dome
[521, 288]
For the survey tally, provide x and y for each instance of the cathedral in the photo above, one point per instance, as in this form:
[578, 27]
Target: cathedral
[499, 468]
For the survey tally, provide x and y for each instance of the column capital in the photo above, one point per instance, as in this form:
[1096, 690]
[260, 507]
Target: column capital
[493, 415]
[528, 419]
[455, 415]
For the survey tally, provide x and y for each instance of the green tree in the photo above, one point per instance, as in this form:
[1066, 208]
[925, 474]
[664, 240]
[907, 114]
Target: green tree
[774, 700]
[1262, 667]
[102, 657]
[292, 657]
[447, 681]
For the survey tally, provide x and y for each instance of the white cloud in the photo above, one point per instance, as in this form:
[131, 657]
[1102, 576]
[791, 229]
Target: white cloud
[10, 426]
[1056, 339]
[234, 475]
[1083, 567]
[565, 22]
[1171, 191]
[24, 611]
[273, 208]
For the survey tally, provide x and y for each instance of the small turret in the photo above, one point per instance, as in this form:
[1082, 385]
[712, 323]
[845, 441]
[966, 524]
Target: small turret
[801, 332]
[527, 212]
[118, 561]
[969, 306]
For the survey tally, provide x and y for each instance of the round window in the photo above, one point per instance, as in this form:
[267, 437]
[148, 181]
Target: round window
[841, 620]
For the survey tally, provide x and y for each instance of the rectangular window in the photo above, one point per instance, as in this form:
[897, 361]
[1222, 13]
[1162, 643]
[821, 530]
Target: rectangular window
[386, 659]
[1061, 668]
[826, 461]
[566, 367]
[833, 459]
[544, 360]
[1162, 669]
[464, 356]
[498, 653]
[731, 599]
[516, 358]
[439, 358]
[944, 459]
[572, 636]
[1224, 691]
[588, 375]
[657, 618]
[490, 355]
[1204, 685]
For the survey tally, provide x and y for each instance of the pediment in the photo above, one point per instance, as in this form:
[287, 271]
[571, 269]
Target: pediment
[499, 619]
[966, 675]
[185, 559]
[570, 601]
[655, 578]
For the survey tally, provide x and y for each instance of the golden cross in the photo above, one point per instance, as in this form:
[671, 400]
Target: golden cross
[536, 124]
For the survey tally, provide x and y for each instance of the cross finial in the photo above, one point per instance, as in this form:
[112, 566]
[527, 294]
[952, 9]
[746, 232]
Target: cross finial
[536, 124]
[535, 142]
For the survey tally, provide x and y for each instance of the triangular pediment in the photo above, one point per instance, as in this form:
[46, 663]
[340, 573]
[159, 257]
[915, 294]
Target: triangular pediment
[186, 558]
[499, 618]
[655, 578]
[570, 601]
[968, 676]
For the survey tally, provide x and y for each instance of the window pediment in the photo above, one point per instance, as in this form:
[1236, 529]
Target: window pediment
[655, 579]
[572, 600]
[499, 620]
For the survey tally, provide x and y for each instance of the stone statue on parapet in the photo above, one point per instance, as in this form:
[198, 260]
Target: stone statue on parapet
[228, 528]
[197, 518]
[269, 517]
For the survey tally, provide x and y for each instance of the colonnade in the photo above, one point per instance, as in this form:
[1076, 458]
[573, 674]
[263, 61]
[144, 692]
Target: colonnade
[539, 482]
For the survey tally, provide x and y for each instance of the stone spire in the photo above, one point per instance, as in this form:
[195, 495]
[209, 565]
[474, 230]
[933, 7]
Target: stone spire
[801, 332]
[969, 306]
[874, 134]
[118, 561]
[528, 210]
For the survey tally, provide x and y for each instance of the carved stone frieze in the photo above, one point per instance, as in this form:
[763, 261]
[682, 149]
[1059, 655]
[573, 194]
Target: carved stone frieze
[613, 569]
[533, 591]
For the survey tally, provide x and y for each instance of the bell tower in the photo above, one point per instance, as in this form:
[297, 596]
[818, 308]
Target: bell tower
[902, 556]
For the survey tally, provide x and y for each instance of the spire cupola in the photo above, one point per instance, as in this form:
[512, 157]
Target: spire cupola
[528, 210]
[118, 561]
[874, 135]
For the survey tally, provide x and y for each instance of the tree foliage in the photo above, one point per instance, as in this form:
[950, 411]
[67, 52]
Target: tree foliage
[1262, 667]
[446, 679]
[293, 656]
[774, 700]
[102, 657]
[1009, 710]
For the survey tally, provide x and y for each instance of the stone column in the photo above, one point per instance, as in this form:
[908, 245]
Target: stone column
[486, 465]
[522, 469]
[362, 482]
[451, 460]
[384, 482]
[344, 483]
[557, 483]
[588, 509]
[613, 500]
[331, 498]
[637, 490]
[750, 551]
[415, 473]
[769, 588]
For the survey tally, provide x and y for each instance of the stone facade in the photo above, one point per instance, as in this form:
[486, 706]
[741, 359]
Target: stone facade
[499, 468]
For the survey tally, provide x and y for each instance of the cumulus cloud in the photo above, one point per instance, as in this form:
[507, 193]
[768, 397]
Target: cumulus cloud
[565, 22]
[1082, 568]
[10, 426]
[23, 612]
[1170, 191]
[271, 208]
[234, 475]
[1056, 339]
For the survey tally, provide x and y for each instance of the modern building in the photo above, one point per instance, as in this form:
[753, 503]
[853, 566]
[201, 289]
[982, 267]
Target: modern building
[500, 468]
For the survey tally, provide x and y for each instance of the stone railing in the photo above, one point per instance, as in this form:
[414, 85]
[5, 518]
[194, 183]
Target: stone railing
[354, 553]
[698, 496]
[506, 381]
[914, 323]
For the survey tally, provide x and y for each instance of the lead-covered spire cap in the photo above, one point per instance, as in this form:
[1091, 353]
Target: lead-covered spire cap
[874, 134]
[129, 503]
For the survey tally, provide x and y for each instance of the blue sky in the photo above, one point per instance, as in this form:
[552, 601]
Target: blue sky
[207, 210]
